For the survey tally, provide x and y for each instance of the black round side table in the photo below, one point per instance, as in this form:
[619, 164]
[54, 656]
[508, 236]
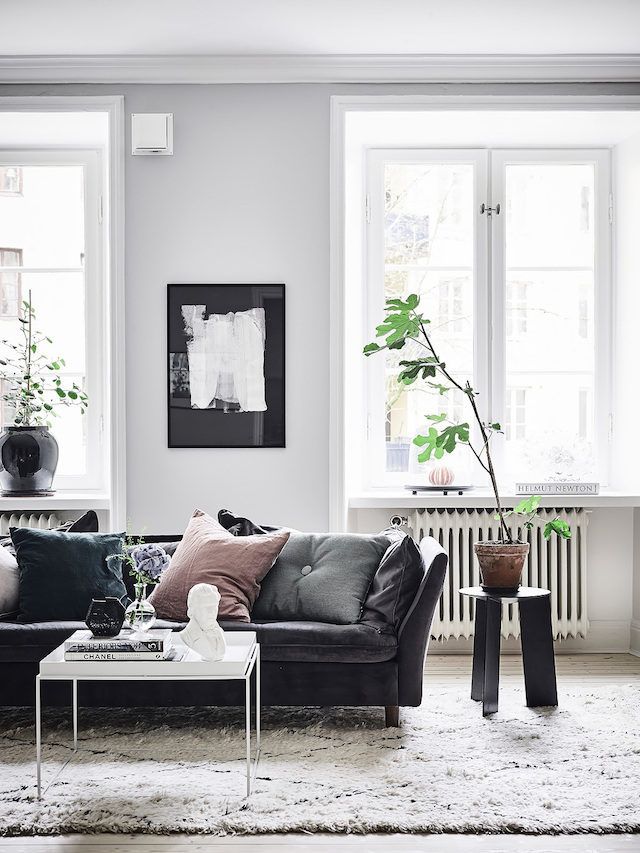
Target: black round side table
[536, 639]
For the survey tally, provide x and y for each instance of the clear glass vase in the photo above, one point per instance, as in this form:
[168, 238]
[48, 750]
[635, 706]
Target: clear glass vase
[140, 614]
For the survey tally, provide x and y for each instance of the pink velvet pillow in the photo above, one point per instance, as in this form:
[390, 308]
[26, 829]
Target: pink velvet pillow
[210, 554]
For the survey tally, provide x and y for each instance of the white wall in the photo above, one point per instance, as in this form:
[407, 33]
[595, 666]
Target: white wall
[244, 198]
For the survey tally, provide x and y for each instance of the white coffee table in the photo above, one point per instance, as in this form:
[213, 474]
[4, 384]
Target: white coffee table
[242, 657]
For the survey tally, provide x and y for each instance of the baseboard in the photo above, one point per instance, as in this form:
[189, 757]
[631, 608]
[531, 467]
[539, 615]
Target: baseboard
[604, 635]
[634, 646]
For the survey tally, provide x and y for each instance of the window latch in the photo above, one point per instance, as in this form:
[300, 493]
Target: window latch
[490, 210]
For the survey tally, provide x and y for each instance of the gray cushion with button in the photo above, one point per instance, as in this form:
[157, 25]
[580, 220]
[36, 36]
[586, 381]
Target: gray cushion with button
[321, 577]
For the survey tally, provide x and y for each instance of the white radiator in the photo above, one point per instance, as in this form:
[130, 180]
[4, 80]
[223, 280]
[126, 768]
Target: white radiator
[42, 520]
[558, 564]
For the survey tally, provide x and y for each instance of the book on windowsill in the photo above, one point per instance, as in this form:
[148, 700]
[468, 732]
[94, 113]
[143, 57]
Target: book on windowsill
[127, 642]
[560, 487]
[169, 654]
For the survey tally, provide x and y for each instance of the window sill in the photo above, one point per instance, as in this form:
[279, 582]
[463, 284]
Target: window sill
[482, 498]
[60, 500]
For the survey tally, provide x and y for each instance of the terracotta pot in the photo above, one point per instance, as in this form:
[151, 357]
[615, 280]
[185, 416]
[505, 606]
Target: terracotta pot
[501, 564]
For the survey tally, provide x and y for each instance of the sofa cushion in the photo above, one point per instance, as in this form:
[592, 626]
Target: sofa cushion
[395, 584]
[9, 584]
[238, 525]
[320, 577]
[61, 572]
[210, 554]
[279, 641]
[87, 523]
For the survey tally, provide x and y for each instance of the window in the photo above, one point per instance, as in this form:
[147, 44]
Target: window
[10, 283]
[10, 180]
[54, 219]
[518, 301]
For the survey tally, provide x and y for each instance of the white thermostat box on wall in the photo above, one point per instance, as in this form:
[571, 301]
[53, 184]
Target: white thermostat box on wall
[152, 133]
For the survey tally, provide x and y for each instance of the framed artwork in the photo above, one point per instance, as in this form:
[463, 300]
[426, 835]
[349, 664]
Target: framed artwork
[226, 382]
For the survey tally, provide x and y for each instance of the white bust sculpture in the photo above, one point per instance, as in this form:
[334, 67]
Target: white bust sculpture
[203, 634]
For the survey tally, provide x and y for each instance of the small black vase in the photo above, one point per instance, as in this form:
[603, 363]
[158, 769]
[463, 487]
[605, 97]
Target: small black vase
[28, 461]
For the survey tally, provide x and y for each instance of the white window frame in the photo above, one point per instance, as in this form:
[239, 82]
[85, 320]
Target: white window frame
[374, 473]
[489, 291]
[93, 270]
[601, 159]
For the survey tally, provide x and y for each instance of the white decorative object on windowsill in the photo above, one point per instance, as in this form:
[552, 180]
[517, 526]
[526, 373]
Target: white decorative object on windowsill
[203, 634]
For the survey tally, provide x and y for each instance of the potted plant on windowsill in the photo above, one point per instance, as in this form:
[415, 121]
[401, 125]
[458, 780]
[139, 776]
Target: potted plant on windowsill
[31, 390]
[501, 561]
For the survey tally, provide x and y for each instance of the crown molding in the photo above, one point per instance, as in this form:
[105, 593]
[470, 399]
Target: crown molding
[596, 68]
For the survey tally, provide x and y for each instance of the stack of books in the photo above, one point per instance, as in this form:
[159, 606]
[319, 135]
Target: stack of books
[128, 645]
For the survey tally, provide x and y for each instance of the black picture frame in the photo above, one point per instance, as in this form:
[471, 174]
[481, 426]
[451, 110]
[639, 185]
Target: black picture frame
[222, 422]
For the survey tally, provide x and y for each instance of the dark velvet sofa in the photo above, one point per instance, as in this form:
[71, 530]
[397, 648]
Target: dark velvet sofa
[303, 663]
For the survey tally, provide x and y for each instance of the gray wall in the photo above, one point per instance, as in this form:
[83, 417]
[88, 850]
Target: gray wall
[244, 198]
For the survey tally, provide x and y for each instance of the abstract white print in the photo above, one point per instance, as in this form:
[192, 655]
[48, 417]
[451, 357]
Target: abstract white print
[226, 359]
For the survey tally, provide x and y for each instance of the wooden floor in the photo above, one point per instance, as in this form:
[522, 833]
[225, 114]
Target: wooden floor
[570, 669]
[441, 670]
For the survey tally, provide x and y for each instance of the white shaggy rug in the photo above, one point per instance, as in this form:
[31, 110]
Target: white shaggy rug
[571, 769]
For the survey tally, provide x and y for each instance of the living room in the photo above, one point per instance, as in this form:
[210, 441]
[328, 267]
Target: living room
[320, 490]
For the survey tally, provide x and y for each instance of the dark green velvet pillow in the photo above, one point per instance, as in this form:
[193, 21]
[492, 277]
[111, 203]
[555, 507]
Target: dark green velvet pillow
[61, 572]
[320, 577]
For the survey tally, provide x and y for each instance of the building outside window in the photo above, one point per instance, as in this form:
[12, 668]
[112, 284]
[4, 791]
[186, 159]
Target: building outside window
[516, 309]
[10, 180]
[10, 283]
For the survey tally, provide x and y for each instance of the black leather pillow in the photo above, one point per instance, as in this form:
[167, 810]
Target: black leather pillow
[395, 584]
[240, 526]
[61, 572]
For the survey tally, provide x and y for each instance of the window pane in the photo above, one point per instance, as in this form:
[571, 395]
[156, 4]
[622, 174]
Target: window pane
[45, 219]
[429, 214]
[550, 215]
[549, 408]
[428, 223]
[58, 300]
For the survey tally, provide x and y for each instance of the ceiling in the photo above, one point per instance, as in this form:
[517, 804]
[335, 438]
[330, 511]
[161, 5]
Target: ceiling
[318, 27]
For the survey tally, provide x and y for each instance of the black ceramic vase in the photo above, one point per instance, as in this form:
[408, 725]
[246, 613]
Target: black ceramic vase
[28, 461]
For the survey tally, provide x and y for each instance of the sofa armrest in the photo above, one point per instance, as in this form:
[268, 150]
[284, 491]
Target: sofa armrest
[413, 635]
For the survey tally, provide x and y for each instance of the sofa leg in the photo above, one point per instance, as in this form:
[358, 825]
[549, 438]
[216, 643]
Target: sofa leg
[391, 716]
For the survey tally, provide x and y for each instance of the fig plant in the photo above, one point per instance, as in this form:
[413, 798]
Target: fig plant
[31, 384]
[403, 323]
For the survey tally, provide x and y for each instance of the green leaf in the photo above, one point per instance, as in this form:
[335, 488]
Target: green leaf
[437, 419]
[413, 300]
[441, 389]
[72, 395]
[496, 427]
[371, 348]
[438, 443]
[528, 505]
[558, 526]
[61, 393]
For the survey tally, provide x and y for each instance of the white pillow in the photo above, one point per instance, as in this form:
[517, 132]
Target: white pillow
[9, 577]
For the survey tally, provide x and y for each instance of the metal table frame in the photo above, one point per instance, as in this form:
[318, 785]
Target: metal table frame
[253, 663]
